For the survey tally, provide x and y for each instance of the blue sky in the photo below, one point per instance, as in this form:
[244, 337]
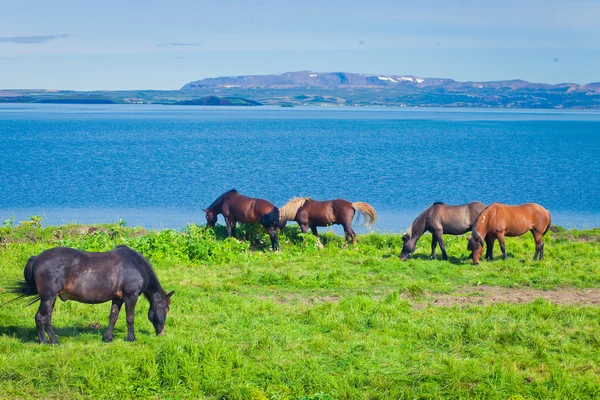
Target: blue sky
[86, 45]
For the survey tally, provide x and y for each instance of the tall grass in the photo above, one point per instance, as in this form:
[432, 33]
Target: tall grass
[304, 323]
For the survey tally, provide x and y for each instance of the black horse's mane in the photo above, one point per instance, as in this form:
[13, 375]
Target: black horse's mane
[220, 198]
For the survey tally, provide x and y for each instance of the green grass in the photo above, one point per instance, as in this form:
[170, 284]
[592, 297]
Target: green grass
[304, 323]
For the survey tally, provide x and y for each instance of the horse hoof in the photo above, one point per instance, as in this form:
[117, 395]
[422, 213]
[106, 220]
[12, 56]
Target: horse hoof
[107, 339]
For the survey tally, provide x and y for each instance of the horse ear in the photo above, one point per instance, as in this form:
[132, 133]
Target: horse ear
[205, 210]
[170, 293]
[480, 240]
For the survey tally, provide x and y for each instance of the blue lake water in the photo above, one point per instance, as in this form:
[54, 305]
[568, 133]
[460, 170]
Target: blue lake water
[158, 166]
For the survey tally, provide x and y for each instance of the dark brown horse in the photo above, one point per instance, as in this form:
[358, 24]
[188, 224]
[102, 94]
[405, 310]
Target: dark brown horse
[310, 213]
[440, 219]
[499, 220]
[120, 275]
[247, 210]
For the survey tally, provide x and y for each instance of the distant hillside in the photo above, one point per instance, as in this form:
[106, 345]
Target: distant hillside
[218, 101]
[336, 89]
[58, 98]
[342, 88]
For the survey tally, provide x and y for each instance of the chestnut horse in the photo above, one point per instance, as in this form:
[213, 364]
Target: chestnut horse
[119, 275]
[440, 219]
[500, 220]
[247, 210]
[310, 213]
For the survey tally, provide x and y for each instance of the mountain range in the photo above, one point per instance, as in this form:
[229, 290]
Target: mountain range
[340, 89]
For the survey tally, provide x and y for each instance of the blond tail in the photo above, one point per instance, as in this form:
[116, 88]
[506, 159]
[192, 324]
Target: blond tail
[367, 211]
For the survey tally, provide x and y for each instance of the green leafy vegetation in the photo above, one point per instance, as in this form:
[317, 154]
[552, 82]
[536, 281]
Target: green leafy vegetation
[344, 322]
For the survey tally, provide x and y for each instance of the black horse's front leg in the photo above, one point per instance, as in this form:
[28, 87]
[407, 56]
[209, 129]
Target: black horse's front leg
[439, 236]
[130, 312]
[112, 319]
[233, 227]
[230, 223]
[433, 246]
[489, 244]
[274, 238]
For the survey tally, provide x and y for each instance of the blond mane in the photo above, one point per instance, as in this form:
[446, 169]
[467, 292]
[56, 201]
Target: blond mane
[289, 210]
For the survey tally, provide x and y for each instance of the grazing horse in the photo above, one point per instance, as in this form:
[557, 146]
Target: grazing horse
[440, 219]
[237, 208]
[310, 213]
[119, 275]
[499, 220]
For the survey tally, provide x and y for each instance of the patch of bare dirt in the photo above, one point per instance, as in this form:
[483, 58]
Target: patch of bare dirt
[484, 295]
[288, 298]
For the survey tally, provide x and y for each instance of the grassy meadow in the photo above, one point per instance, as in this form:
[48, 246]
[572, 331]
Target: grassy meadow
[344, 322]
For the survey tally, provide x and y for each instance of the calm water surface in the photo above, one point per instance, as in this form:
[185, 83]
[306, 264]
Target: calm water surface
[159, 165]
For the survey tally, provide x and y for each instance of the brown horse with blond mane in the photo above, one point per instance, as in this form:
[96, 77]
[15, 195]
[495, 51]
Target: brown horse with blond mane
[309, 213]
[500, 220]
[247, 210]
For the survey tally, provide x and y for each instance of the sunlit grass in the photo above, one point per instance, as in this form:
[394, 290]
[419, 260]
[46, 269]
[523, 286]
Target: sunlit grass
[340, 323]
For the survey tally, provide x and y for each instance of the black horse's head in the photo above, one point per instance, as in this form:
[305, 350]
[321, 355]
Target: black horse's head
[476, 247]
[211, 218]
[409, 246]
[159, 307]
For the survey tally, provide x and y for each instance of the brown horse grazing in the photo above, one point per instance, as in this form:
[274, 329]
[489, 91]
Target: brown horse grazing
[237, 208]
[119, 275]
[310, 213]
[499, 220]
[440, 219]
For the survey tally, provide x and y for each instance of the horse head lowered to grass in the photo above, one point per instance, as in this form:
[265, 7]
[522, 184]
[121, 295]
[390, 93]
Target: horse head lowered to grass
[247, 210]
[120, 275]
[440, 219]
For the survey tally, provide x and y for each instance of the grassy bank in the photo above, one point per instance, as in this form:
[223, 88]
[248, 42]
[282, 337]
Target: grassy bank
[343, 322]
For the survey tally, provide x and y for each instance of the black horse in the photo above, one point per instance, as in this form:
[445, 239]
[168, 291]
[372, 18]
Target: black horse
[247, 210]
[119, 275]
[440, 219]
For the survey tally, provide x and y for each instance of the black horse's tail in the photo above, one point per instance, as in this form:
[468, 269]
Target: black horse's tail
[270, 219]
[27, 287]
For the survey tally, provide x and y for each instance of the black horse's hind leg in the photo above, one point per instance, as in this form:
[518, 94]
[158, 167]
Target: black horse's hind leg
[274, 238]
[43, 320]
[130, 312]
[112, 319]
